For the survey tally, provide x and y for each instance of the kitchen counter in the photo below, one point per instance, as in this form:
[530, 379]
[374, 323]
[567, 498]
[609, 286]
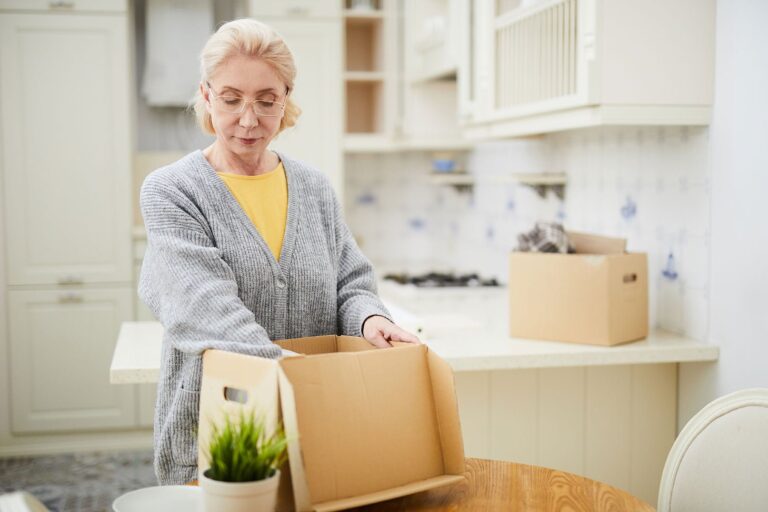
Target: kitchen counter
[137, 353]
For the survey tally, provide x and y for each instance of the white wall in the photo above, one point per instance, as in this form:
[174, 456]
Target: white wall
[739, 241]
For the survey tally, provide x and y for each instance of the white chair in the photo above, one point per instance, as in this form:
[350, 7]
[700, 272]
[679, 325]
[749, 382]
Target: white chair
[719, 462]
[20, 501]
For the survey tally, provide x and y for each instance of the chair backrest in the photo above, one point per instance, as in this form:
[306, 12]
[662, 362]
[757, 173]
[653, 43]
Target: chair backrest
[20, 501]
[719, 462]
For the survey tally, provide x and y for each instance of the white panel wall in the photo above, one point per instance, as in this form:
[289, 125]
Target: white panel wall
[615, 424]
[739, 166]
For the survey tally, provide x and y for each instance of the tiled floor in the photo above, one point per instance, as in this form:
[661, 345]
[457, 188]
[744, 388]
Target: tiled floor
[83, 482]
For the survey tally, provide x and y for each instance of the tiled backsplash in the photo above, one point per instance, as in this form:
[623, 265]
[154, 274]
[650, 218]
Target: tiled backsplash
[649, 184]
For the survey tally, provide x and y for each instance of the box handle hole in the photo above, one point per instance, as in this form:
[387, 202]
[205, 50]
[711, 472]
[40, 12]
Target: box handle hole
[235, 395]
[630, 278]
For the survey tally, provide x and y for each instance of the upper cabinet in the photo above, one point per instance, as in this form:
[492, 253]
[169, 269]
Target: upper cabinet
[429, 115]
[400, 74]
[531, 67]
[431, 45]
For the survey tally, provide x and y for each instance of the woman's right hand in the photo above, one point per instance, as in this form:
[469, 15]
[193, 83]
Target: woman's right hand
[379, 331]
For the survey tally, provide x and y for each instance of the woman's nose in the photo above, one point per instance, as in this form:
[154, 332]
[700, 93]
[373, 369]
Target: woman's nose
[249, 118]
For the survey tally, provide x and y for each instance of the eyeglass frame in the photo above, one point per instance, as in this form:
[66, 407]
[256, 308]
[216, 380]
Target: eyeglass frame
[249, 102]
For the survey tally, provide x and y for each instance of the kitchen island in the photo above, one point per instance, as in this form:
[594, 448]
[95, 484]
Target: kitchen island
[609, 413]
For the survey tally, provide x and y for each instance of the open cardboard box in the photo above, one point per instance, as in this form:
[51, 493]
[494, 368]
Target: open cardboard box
[364, 425]
[599, 295]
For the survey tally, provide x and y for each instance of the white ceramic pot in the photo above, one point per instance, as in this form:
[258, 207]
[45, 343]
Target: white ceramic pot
[259, 496]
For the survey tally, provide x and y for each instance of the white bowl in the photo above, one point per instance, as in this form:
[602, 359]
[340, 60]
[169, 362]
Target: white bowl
[161, 499]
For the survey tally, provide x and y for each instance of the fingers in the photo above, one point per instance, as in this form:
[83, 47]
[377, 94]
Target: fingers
[379, 341]
[403, 335]
[399, 334]
[379, 332]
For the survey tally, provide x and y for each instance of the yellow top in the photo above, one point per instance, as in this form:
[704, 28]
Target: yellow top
[264, 198]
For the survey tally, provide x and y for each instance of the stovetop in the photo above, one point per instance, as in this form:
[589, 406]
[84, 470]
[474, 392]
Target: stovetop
[442, 280]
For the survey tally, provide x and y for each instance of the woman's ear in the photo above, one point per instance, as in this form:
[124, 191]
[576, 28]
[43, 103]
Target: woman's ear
[206, 94]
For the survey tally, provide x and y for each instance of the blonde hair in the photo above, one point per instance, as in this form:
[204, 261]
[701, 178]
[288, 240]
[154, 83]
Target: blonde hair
[253, 39]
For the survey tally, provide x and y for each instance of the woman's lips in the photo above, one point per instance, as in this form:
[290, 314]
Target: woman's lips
[247, 142]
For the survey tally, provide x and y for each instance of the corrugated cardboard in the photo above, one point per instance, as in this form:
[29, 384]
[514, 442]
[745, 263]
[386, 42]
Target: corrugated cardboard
[365, 425]
[598, 295]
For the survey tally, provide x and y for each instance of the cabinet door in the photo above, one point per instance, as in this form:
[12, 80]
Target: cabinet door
[66, 148]
[316, 138]
[61, 348]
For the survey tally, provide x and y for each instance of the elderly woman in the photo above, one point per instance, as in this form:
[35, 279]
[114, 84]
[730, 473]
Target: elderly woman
[245, 245]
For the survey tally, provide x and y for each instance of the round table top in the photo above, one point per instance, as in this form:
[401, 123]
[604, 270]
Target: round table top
[496, 485]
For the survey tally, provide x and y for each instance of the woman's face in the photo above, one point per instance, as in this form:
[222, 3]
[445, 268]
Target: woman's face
[245, 134]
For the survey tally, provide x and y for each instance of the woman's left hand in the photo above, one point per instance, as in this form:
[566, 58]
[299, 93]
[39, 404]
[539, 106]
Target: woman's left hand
[379, 331]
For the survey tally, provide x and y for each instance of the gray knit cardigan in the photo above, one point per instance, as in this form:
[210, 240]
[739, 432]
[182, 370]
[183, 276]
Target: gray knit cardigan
[212, 281]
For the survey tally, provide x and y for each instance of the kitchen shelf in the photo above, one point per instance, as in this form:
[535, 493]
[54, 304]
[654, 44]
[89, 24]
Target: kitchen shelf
[454, 178]
[363, 16]
[540, 182]
[369, 80]
[364, 76]
[538, 179]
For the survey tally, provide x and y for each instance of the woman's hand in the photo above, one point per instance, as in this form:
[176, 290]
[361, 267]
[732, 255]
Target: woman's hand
[379, 331]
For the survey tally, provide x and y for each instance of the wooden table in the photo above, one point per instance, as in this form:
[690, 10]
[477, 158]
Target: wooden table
[507, 486]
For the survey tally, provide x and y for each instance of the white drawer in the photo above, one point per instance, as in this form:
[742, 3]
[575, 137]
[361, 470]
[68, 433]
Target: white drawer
[65, 5]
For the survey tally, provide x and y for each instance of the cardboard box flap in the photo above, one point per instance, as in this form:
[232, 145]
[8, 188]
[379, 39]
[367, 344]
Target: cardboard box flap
[331, 344]
[353, 344]
[344, 404]
[446, 405]
[299, 496]
[389, 494]
[311, 345]
[233, 383]
[587, 243]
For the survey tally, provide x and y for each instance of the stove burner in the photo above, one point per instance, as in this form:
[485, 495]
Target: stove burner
[440, 280]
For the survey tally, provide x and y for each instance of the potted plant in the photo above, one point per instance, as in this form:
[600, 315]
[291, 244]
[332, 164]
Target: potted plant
[244, 465]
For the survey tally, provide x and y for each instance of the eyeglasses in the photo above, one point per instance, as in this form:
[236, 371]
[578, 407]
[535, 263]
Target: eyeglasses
[236, 105]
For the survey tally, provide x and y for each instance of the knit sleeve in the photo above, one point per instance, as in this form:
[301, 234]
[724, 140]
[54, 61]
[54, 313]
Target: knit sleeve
[186, 283]
[356, 290]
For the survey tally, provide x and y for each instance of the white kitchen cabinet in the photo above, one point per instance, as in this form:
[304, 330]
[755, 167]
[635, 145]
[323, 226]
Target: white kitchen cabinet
[431, 44]
[316, 45]
[66, 148]
[66, 211]
[552, 65]
[429, 100]
[60, 351]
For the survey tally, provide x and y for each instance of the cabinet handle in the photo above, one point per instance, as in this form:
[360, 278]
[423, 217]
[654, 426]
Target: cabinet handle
[298, 11]
[71, 279]
[70, 298]
[61, 4]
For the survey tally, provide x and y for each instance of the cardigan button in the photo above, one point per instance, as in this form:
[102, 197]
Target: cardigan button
[280, 284]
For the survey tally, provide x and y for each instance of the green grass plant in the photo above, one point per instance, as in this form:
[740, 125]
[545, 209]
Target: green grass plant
[241, 450]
